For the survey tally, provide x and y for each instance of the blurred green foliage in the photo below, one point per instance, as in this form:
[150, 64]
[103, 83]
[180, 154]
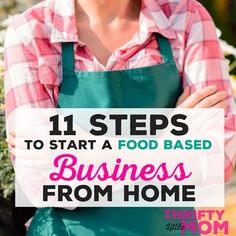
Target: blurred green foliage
[6, 169]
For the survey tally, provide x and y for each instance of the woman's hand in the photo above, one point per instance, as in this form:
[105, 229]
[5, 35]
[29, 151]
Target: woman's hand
[11, 144]
[208, 97]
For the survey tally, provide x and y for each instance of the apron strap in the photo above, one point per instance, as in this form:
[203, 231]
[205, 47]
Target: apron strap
[164, 47]
[67, 59]
[68, 53]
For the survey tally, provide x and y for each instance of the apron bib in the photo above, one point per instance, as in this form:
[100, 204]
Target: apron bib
[157, 86]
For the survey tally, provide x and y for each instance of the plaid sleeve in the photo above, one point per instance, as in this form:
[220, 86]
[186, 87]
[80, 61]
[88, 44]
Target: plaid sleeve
[205, 65]
[22, 84]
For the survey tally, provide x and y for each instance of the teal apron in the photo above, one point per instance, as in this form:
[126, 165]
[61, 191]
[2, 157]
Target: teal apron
[157, 86]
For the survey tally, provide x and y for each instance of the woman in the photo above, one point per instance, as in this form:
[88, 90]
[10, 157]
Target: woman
[129, 53]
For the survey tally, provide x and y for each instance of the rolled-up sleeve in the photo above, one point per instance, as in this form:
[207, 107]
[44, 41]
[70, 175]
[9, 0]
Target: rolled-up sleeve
[22, 83]
[205, 65]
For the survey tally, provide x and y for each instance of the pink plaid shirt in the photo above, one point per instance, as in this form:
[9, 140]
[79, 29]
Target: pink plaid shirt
[33, 54]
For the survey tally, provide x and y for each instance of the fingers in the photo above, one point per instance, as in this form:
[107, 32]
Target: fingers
[11, 144]
[12, 152]
[186, 93]
[198, 96]
[212, 100]
[11, 141]
[223, 104]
